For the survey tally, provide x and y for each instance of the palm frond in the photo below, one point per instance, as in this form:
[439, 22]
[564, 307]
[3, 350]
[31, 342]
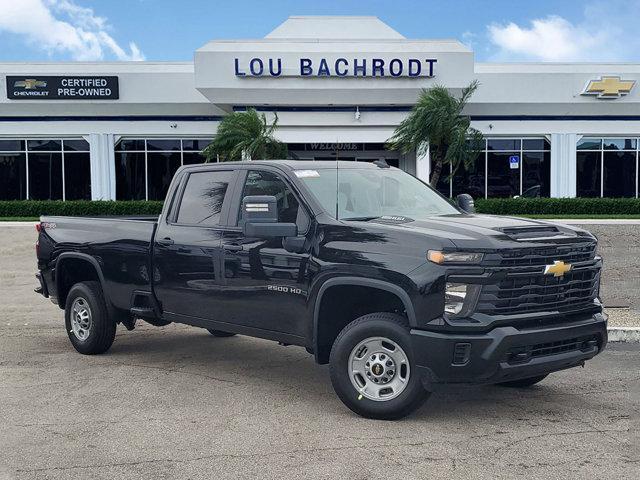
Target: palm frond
[437, 122]
[246, 133]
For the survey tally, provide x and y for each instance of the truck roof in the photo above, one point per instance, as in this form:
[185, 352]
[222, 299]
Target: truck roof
[303, 164]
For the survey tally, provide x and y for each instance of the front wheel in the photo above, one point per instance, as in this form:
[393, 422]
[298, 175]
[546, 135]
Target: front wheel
[372, 368]
[89, 327]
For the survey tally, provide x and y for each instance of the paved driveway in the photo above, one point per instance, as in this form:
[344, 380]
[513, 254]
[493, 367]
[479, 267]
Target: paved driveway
[174, 402]
[178, 403]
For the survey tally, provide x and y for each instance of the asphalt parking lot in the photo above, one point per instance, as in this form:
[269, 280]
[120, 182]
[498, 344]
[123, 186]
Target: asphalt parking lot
[174, 402]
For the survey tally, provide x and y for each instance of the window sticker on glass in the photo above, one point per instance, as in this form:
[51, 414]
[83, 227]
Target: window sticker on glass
[307, 173]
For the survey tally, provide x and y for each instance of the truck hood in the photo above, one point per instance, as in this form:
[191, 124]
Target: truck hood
[470, 232]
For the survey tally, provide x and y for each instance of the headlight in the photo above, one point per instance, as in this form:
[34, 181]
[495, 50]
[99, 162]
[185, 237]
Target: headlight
[439, 257]
[460, 299]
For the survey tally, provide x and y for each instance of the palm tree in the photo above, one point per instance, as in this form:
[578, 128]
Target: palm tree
[436, 123]
[243, 135]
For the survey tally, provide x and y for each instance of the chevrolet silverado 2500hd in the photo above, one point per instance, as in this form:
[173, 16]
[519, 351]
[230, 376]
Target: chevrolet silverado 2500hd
[364, 265]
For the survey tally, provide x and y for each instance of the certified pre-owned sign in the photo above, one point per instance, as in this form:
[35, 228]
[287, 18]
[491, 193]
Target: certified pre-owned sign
[31, 87]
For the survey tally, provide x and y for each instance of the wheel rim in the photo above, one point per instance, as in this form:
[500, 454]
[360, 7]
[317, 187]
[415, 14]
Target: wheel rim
[378, 369]
[81, 318]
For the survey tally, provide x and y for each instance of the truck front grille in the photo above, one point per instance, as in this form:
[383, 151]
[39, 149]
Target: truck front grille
[521, 257]
[526, 353]
[535, 292]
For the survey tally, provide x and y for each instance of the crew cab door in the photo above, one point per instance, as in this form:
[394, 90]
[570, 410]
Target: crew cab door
[266, 279]
[187, 246]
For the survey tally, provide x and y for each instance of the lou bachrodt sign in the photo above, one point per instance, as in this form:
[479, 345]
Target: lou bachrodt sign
[62, 88]
[339, 67]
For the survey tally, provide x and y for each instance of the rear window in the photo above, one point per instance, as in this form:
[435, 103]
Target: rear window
[203, 198]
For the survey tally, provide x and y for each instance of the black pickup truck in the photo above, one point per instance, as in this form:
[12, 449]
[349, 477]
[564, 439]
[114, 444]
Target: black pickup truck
[365, 266]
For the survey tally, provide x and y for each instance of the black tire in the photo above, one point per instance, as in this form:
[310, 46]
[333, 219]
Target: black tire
[389, 326]
[102, 330]
[523, 382]
[220, 333]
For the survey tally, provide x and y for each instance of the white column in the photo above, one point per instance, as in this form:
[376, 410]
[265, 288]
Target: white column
[103, 170]
[563, 164]
[423, 165]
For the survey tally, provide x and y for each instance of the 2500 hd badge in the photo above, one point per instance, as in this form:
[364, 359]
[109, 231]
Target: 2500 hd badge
[285, 289]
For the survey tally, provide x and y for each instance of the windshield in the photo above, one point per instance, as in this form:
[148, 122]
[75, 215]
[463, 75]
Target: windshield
[364, 194]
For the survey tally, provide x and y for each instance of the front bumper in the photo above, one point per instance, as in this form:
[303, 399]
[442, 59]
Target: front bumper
[506, 353]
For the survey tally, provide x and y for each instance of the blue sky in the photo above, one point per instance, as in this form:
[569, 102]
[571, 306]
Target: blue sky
[540, 30]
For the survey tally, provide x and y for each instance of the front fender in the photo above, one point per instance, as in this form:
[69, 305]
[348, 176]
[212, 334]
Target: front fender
[377, 284]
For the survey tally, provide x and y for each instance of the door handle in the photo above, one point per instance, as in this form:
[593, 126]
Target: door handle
[165, 241]
[232, 248]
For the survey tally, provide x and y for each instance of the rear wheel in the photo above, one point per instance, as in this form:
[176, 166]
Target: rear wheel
[524, 382]
[89, 327]
[372, 368]
[220, 333]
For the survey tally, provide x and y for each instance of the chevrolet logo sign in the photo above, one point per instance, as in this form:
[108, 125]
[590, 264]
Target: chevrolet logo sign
[30, 84]
[609, 87]
[558, 269]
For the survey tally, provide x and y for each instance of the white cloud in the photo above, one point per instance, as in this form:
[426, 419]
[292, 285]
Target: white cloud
[606, 32]
[62, 26]
[470, 39]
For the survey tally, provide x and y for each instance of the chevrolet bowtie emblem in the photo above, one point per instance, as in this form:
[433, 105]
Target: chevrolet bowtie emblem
[558, 269]
[30, 83]
[609, 87]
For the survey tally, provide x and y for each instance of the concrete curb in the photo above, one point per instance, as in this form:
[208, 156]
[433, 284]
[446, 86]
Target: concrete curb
[594, 221]
[624, 334]
[18, 224]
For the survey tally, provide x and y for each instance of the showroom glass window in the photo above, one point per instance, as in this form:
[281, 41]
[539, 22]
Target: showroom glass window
[506, 167]
[607, 167]
[145, 167]
[45, 169]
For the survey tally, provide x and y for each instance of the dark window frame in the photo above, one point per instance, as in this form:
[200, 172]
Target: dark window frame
[38, 183]
[17, 167]
[146, 151]
[137, 157]
[483, 157]
[81, 156]
[602, 151]
[26, 150]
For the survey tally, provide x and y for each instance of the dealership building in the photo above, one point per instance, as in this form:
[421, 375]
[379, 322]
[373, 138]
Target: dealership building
[339, 86]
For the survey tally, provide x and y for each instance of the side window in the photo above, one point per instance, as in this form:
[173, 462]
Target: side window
[203, 198]
[267, 183]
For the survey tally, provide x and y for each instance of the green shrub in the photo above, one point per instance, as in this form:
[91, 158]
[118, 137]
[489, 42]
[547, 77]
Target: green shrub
[559, 206]
[77, 208]
[496, 206]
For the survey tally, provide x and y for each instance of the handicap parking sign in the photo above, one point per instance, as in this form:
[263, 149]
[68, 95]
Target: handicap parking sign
[514, 162]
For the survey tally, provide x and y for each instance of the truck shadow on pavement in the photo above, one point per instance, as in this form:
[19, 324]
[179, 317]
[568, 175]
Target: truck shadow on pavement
[264, 369]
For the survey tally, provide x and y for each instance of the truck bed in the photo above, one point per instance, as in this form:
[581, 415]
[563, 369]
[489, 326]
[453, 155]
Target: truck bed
[120, 245]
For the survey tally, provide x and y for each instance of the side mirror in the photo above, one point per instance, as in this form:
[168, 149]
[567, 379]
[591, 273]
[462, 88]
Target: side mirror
[260, 218]
[466, 203]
